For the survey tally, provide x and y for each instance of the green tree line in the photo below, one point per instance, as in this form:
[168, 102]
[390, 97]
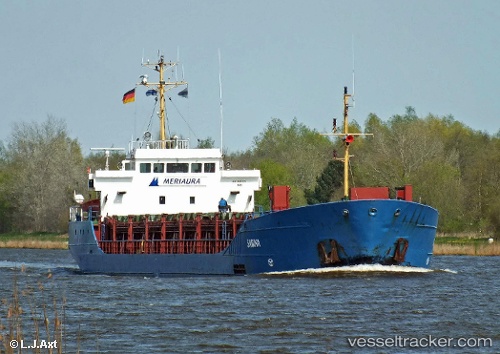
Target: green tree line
[452, 167]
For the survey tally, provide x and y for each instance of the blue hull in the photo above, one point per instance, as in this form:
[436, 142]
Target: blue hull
[330, 234]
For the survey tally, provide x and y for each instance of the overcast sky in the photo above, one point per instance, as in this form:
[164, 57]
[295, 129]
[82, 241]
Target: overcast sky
[74, 60]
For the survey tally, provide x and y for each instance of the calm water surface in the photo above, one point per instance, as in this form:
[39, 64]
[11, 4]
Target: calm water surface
[290, 313]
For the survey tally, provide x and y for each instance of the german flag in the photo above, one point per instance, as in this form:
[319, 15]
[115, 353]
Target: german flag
[129, 96]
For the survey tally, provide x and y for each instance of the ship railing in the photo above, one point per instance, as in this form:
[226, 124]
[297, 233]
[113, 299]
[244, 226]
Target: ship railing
[203, 246]
[159, 144]
[75, 213]
[78, 213]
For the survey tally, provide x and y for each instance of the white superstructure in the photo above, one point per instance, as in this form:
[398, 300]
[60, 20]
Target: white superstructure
[156, 180]
[166, 176]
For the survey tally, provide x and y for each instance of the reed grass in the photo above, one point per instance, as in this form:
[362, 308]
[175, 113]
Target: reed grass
[41, 241]
[467, 249]
[31, 321]
[471, 243]
[466, 243]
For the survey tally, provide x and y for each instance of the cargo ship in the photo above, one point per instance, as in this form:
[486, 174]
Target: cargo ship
[170, 209]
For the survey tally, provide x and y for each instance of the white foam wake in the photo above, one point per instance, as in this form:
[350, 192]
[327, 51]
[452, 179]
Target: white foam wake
[360, 268]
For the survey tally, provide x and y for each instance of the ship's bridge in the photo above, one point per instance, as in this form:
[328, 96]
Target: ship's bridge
[167, 177]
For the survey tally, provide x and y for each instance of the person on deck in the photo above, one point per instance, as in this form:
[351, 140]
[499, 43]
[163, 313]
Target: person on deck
[222, 205]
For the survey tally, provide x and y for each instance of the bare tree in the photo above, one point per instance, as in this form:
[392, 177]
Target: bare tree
[45, 167]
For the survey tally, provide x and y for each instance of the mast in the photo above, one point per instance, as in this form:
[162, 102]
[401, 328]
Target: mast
[220, 104]
[348, 138]
[161, 87]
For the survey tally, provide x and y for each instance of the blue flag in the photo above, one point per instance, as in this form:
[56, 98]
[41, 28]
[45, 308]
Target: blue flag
[151, 92]
[184, 93]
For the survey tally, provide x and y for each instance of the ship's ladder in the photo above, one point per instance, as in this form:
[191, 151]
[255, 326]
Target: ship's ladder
[224, 230]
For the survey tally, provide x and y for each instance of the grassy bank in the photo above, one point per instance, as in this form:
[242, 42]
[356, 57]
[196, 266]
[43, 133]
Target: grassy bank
[34, 240]
[461, 244]
[466, 244]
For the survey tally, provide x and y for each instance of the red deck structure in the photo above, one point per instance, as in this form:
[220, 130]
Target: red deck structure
[168, 234]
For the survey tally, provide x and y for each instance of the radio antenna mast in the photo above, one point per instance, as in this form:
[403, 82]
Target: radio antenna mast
[178, 60]
[220, 104]
[353, 91]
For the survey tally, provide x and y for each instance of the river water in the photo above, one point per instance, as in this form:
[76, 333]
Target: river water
[454, 307]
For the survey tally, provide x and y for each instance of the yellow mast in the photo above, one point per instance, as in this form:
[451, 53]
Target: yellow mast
[348, 138]
[346, 143]
[161, 87]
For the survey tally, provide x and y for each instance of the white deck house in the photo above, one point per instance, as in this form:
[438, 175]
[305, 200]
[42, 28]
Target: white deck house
[157, 180]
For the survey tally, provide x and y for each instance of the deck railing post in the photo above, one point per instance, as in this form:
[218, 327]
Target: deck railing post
[163, 233]
[146, 234]
[97, 230]
[113, 231]
[217, 234]
[181, 236]
[233, 220]
[198, 248]
[130, 234]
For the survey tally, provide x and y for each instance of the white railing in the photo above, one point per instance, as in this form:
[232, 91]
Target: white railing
[159, 144]
[75, 213]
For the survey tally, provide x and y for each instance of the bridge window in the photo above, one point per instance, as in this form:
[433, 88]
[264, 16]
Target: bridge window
[145, 167]
[209, 167]
[158, 168]
[129, 166]
[191, 200]
[177, 167]
[196, 167]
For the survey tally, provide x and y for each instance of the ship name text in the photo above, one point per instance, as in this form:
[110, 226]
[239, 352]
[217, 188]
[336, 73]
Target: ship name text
[253, 242]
